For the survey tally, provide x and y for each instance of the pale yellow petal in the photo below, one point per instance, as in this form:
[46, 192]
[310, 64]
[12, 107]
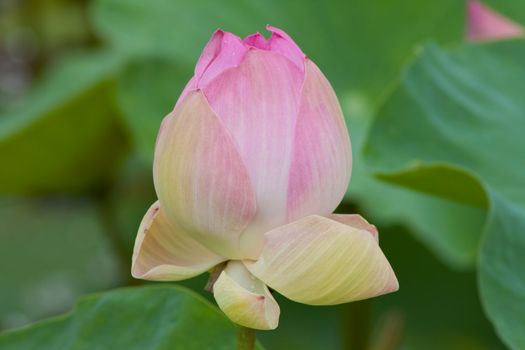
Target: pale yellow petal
[164, 252]
[319, 261]
[356, 221]
[245, 299]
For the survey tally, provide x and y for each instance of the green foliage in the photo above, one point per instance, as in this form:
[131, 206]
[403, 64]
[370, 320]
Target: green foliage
[146, 93]
[359, 44]
[63, 137]
[453, 107]
[147, 318]
[51, 253]
[514, 9]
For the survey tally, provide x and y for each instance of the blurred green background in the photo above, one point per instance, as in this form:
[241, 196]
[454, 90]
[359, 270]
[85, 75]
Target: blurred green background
[437, 127]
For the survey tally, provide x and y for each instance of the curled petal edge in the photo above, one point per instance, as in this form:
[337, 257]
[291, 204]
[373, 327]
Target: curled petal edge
[164, 252]
[245, 299]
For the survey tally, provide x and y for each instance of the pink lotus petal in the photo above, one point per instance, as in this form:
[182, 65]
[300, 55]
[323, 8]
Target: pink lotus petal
[322, 158]
[257, 103]
[282, 43]
[257, 40]
[224, 50]
[200, 178]
[486, 24]
[164, 252]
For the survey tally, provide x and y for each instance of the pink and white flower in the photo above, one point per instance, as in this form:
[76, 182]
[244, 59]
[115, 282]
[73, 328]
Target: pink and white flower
[248, 168]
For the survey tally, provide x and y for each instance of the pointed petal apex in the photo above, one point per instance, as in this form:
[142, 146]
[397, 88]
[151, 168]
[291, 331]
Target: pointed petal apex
[319, 261]
[164, 252]
[256, 40]
[282, 43]
[486, 24]
[245, 299]
[224, 50]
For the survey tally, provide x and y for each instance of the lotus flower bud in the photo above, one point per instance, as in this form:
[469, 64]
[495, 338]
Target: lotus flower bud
[485, 24]
[248, 168]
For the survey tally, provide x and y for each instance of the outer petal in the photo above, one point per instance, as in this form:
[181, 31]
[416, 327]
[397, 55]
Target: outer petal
[200, 178]
[164, 252]
[258, 103]
[356, 221]
[245, 299]
[322, 158]
[319, 261]
[485, 24]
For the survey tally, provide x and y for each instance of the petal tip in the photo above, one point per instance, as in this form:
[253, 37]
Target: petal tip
[486, 24]
[283, 44]
[393, 284]
[256, 40]
[224, 50]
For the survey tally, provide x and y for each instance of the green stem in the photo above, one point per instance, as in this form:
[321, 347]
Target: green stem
[214, 274]
[356, 320]
[245, 338]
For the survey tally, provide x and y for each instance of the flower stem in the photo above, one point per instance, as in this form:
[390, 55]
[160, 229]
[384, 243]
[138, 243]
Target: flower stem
[245, 338]
[356, 320]
[214, 274]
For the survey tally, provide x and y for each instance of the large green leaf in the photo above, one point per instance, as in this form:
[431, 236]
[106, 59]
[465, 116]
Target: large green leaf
[465, 107]
[147, 318]
[64, 136]
[359, 44]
